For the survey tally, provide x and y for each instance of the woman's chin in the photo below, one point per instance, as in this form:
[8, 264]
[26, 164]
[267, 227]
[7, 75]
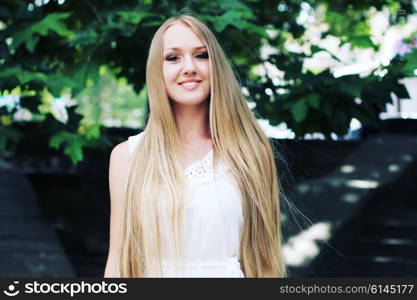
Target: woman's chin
[188, 101]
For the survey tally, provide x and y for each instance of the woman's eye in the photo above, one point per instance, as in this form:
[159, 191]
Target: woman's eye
[203, 55]
[171, 58]
[174, 58]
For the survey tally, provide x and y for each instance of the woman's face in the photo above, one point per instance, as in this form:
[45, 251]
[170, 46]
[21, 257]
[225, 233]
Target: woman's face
[188, 61]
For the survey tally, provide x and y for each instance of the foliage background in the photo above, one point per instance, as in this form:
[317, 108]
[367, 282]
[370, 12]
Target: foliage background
[71, 68]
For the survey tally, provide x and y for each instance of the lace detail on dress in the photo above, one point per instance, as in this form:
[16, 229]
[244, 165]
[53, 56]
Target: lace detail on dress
[202, 171]
[198, 172]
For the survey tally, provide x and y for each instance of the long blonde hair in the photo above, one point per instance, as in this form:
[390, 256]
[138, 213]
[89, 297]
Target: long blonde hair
[155, 181]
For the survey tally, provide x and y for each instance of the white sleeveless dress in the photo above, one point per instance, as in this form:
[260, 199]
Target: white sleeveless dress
[213, 222]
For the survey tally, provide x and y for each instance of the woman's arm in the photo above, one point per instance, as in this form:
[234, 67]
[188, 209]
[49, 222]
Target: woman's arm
[117, 173]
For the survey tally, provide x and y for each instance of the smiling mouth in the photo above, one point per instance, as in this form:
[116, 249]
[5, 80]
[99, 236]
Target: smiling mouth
[190, 85]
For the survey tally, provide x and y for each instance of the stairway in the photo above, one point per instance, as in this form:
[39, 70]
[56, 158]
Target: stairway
[387, 244]
[382, 240]
[29, 246]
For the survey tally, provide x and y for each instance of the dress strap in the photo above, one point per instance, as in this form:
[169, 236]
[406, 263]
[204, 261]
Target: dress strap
[133, 141]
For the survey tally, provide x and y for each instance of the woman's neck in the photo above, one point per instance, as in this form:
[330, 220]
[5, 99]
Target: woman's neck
[192, 123]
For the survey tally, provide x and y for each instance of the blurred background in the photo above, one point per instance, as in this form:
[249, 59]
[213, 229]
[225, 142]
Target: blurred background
[332, 83]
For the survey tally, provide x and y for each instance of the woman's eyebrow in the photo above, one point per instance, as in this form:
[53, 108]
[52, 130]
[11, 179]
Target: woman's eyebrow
[177, 48]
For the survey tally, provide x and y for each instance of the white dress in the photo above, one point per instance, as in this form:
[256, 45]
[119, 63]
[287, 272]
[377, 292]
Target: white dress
[213, 222]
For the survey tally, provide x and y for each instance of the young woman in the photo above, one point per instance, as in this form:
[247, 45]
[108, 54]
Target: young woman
[196, 194]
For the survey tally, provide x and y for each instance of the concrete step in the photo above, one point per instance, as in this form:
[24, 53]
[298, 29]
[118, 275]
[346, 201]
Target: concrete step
[381, 266]
[390, 228]
[368, 266]
[402, 248]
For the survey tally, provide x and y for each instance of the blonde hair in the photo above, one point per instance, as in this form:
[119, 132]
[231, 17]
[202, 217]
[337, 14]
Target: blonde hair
[155, 184]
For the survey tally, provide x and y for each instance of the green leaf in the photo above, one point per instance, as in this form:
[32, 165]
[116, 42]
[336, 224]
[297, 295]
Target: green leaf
[93, 131]
[31, 43]
[135, 17]
[361, 41]
[51, 22]
[313, 100]
[260, 30]
[23, 76]
[74, 150]
[72, 142]
[10, 72]
[299, 110]
[234, 4]
[237, 18]
[58, 139]
[30, 35]
[338, 22]
[24, 36]
[411, 63]
[352, 87]
[219, 23]
[57, 82]
[314, 49]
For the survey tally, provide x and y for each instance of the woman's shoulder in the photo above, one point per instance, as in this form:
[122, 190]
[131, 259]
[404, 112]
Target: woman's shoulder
[133, 140]
[121, 152]
[118, 161]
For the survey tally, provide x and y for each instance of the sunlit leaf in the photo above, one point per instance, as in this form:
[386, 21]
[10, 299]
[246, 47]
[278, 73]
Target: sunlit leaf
[299, 110]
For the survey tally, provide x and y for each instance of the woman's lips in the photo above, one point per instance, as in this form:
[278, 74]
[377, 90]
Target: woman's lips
[189, 86]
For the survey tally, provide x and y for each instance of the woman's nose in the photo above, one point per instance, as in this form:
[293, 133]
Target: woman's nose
[189, 65]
